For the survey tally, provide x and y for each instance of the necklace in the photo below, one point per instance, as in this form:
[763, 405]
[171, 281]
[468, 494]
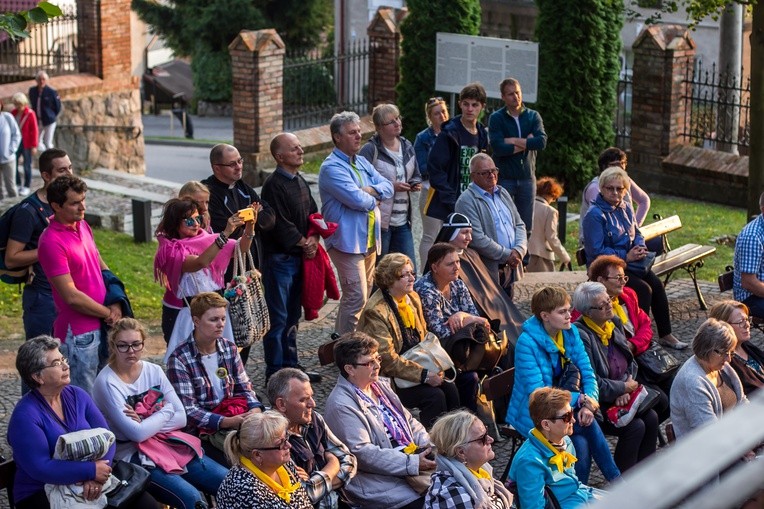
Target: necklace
[470, 129]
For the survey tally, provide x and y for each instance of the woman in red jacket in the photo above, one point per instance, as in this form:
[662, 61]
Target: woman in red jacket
[27, 120]
[609, 270]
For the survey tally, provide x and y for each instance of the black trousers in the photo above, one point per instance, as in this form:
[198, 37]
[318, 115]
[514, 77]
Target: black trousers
[636, 441]
[652, 295]
[431, 401]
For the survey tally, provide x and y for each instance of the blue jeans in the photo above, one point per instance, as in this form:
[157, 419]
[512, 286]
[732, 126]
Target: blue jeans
[523, 193]
[399, 239]
[590, 442]
[39, 315]
[182, 490]
[283, 289]
[82, 353]
[755, 306]
[27, 153]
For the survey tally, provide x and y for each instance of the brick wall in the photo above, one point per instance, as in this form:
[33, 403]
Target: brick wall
[384, 51]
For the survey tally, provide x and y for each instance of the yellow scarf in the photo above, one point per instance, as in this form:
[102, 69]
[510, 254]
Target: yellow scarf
[407, 314]
[604, 334]
[619, 311]
[560, 344]
[480, 474]
[561, 459]
[284, 489]
[371, 237]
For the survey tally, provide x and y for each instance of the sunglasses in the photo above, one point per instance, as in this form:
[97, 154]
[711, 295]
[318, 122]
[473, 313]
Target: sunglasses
[433, 100]
[482, 439]
[191, 221]
[566, 417]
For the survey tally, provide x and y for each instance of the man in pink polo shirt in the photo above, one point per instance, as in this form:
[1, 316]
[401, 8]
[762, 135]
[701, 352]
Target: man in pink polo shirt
[70, 258]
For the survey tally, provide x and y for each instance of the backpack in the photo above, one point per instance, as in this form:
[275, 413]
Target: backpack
[17, 275]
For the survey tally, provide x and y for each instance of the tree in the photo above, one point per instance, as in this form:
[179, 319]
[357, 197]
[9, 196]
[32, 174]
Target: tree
[578, 77]
[203, 29]
[15, 24]
[417, 62]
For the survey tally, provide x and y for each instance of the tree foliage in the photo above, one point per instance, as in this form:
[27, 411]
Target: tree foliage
[417, 62]
[578, 77]
[15, 24]
[203, 29]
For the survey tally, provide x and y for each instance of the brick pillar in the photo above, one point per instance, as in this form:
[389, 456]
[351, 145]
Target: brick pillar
[257, 61]
[384, 51]
[663, 57]
[103, 28]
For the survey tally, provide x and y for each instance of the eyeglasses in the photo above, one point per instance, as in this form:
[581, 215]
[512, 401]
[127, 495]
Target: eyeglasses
[603, 307]
[722, 353]
[614, 189]
[747, 320]
[232, 164]
[374, 360]
[191, 221]
[63, 361]
[566, 417]
[483, 439]
[125, 347]
[621, 278]
[396, 120]
[408, 275]
[487, 173]
[282, 444]
[433, 100]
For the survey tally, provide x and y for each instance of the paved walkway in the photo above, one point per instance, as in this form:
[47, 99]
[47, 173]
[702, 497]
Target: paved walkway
[686, 317]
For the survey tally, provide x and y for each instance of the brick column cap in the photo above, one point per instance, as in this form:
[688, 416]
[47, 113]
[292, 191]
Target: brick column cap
[387, 19]
[665, 37]
[256, 41]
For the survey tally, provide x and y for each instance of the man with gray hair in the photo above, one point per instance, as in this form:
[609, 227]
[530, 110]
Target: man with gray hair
[45, 102]
[323, 462]
[498, 233]
[351, 190]
[748, 279]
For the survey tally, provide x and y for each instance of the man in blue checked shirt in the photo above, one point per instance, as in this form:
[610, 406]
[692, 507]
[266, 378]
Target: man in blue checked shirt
[748, 281]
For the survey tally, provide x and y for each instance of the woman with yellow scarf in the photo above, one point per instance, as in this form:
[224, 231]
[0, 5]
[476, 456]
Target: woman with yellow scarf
[262, 476]
[546, 459]
[615, 368]
[393, 316]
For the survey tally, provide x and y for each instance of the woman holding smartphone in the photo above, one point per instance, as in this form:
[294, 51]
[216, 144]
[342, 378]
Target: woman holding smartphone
[394, 157]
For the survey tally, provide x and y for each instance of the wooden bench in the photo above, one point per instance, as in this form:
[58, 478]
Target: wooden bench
[688, 257]
[496, 387]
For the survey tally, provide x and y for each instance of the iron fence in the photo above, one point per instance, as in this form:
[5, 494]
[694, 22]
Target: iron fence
[317, 85]
[717, 109]
[51, 47]
[622, 118]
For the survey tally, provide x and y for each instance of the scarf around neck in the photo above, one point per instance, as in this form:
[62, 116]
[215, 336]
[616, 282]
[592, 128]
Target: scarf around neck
[479, 489]
[560, 459]
[604, 333]
[619, 311]
[284, 488]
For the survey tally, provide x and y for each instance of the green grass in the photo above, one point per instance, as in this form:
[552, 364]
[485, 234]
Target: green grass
[701, 223]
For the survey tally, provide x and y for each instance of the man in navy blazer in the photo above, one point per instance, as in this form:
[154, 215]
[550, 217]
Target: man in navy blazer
[46, 103]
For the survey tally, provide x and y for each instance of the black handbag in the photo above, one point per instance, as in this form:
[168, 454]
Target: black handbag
[656, 364]
[569, 378]
[133, 480]
[643, 266]
[476, 347]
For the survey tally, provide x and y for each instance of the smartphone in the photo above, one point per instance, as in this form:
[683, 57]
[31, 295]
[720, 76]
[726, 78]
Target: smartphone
[247, 214]
[414, 182]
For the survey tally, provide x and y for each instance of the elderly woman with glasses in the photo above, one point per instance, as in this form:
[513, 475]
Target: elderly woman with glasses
[393, 157]
[611, 229]
[436, 113]
[748, 359]
[615, 369]
[190, 261]
[393, 315]
[144, 412]
[263, 475]
[463, 476]
[706, 386]
[546, 459]
[392, 448]
[52, 408]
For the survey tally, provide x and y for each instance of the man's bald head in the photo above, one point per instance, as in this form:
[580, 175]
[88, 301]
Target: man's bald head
[219, 151]
[227, 164]
[287, 151]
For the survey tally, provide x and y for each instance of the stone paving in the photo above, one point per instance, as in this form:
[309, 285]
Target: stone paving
[686, 317]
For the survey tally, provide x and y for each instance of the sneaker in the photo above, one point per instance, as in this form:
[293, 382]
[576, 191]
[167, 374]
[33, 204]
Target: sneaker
[670, 341]
[23, 191]
[621, 416]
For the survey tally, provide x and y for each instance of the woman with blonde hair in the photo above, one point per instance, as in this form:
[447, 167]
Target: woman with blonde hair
[748, 359]
[27, 120]
[263, 475]
[463, 474]
[201, 195]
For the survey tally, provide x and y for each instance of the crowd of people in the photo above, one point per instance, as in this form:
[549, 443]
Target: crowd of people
[199, 428]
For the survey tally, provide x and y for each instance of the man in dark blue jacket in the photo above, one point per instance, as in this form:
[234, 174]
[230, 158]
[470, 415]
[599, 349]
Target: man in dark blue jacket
[449, 161]
[47, 105]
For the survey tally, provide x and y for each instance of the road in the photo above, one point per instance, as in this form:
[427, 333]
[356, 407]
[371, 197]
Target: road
[177, 163]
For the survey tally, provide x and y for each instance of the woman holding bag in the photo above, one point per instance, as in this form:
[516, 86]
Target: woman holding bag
[393, 316]
[190, 261]
[144, 412]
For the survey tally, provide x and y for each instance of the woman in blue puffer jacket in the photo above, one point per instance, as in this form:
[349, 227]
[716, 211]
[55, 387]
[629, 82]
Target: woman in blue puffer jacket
[547, 342]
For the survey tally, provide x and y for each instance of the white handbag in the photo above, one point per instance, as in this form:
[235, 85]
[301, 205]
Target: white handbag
[430, 355]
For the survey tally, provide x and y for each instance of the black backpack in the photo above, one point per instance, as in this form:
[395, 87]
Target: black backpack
[17, 275]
